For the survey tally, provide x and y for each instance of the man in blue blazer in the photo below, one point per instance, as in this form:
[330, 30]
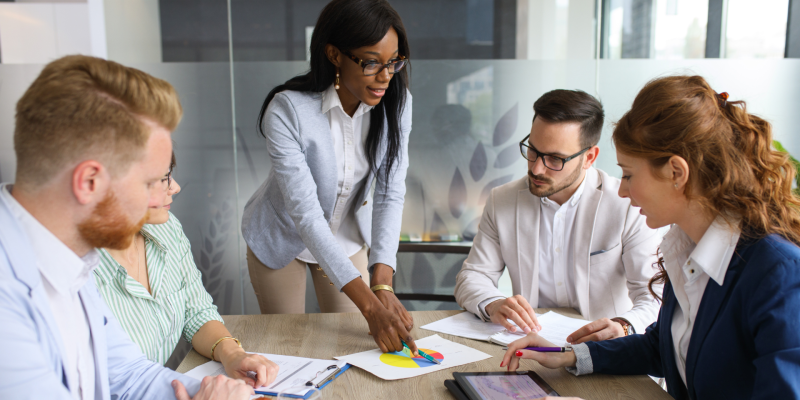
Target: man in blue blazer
[92, 140]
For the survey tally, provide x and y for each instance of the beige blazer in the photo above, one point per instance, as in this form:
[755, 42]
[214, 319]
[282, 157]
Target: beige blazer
[609, 284]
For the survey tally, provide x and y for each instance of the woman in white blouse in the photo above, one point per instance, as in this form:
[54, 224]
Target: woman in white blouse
[728, 326]
[331, 133]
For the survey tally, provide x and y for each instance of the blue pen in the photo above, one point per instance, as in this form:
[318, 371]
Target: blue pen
[422, 353]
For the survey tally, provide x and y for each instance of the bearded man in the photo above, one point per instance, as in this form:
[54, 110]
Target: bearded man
[92, 140]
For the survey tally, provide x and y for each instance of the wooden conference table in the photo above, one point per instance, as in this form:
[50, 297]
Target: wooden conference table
[327, 335]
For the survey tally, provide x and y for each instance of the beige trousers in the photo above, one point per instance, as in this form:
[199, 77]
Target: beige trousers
[283, 291]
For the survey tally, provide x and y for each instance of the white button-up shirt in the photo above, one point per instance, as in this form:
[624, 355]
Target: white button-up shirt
[63, 274]
[556, 261]
[349, 135]
[689, 267]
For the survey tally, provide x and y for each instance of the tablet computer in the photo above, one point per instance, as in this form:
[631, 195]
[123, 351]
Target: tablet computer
[503, 385]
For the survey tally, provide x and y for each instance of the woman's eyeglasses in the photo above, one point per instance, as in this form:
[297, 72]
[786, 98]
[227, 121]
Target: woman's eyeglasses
[372, 68]
[166, 181]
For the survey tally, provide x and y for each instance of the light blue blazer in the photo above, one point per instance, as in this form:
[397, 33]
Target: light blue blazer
[31, 365]
[292, 209]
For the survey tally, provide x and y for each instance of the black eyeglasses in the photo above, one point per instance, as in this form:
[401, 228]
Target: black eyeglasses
[550, 161]
[372, 68]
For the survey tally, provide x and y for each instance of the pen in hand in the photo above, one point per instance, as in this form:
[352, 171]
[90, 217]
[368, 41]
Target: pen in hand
[546, 349]
[422, 353]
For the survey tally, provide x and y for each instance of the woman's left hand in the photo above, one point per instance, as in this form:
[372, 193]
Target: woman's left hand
[382, 275]
[242, 365]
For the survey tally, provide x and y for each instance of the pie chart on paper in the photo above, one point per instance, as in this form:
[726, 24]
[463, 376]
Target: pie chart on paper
[401, 360]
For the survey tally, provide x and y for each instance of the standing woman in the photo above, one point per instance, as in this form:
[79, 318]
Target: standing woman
[331, 133]
[728, 326]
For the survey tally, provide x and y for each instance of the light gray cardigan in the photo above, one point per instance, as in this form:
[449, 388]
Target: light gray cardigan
[293, 207]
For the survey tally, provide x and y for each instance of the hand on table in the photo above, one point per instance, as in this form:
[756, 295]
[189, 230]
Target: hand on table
[239, 363]
[390, 301]
[602, 329]
[517, 309]
[549, 360]
[218, 387]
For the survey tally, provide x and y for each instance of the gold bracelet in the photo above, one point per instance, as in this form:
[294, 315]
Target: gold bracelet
[381, 287]
[214, 347]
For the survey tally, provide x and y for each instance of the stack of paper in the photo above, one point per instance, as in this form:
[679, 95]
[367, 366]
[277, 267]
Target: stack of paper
[555, 328]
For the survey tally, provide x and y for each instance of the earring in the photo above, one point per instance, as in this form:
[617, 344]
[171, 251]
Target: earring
[676, 186]
[336, 82]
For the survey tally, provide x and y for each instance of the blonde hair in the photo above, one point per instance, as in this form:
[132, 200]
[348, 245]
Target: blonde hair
[82, 108]
[729, 152]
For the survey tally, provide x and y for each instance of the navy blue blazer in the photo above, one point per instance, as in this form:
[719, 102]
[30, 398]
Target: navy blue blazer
[745, 342]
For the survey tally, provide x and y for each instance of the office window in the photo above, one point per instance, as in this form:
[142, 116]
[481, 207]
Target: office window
[756, 29]
[662, 29]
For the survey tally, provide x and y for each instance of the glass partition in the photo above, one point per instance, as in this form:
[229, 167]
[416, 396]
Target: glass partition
[472, 103]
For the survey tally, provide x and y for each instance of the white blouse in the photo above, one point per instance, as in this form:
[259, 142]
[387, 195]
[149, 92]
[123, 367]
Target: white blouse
[349, 135]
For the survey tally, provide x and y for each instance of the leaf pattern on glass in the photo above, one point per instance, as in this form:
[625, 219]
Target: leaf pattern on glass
[493, 184]
[506, 127]
[507, 157]
[438, 225]
[478, 162]
[471, 230]
[458, 194]
[212, 265]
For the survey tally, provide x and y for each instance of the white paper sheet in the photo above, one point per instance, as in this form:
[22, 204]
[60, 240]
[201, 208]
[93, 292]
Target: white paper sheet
[393, 366]
[293, 372]
[555, 328]
[465, 325]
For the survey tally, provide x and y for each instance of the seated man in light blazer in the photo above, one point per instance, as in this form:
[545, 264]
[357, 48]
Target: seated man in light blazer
[565, 236]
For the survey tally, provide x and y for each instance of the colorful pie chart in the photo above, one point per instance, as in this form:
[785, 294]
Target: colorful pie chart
[401, 360]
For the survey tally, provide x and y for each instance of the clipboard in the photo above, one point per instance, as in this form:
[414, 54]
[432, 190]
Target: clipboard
[319, 382]
[294, 372]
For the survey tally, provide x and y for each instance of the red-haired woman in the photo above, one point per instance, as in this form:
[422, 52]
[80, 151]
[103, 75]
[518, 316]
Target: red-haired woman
[729, 325]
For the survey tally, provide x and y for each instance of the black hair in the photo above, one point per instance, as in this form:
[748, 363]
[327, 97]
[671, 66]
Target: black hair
[573, 106]
[348, 25]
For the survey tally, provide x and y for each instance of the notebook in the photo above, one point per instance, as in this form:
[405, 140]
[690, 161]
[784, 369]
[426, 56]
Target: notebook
[293, 372]
[555, 328]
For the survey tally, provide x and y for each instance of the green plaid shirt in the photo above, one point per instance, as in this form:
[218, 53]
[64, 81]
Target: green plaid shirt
[179, 305]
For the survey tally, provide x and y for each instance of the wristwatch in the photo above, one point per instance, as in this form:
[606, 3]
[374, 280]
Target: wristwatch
[626, 326]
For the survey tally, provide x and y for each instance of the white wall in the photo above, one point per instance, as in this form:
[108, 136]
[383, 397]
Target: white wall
[34, 33]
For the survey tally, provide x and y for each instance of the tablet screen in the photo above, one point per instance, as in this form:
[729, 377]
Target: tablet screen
[504, 387]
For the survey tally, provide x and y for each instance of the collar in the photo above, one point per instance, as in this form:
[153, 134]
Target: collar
[145, 231]
[330, 100]
[64, 270]
[575, 196]
[713, 252]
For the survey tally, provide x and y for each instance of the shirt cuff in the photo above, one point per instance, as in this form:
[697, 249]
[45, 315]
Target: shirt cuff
[584, 364]
[482, 307]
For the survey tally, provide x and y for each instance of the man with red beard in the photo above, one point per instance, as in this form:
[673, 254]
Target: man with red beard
[565, 236]
[92, 140]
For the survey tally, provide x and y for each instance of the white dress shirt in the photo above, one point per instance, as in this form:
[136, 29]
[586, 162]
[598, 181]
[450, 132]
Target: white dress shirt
[689, 267]
[63, 274]
[556, 261]
[349, 135]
